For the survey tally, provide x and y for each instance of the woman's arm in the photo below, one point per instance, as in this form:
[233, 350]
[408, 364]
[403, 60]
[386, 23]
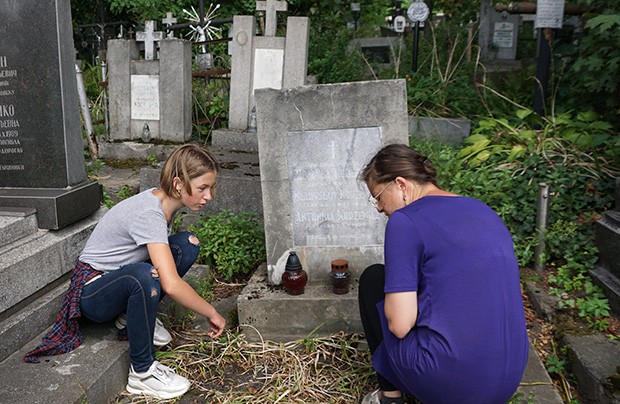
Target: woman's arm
[401, 311]
[179, 290]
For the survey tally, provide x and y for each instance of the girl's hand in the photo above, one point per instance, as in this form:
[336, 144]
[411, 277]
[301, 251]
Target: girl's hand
[217, 325]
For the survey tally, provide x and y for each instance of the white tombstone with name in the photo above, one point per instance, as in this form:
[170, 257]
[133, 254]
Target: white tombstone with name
[265, 61]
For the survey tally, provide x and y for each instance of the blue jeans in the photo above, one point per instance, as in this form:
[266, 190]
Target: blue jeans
[136, 290]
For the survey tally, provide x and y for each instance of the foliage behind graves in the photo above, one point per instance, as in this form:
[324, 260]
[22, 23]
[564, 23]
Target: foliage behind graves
[502, 164]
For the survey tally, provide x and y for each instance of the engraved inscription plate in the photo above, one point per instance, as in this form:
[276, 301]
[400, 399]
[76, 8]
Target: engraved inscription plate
[503, 34]
[145, 97]
[268, 68]
[328, 205]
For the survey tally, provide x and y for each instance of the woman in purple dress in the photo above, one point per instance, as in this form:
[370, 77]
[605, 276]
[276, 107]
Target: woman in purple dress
[444, 316]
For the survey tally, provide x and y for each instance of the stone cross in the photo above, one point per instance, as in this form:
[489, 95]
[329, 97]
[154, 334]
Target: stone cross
[168, 21]
[271, 7]
[149, 36]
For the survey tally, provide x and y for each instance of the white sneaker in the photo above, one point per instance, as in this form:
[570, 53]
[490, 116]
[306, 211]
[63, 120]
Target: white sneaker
[372, 398]
[159, 381]
[375, 398]
[161, 336]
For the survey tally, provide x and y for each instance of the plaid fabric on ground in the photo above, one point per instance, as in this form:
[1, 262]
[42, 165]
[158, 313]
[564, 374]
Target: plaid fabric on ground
[65, 335]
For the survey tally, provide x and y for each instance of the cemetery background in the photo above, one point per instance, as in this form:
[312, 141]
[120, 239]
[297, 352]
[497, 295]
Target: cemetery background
[444, 102]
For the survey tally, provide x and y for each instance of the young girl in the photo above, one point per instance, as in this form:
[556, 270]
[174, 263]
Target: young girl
[130, 262]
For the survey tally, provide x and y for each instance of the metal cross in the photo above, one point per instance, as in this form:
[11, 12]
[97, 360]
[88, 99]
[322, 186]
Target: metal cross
[271, 7]
[168, 21]
[149, 36]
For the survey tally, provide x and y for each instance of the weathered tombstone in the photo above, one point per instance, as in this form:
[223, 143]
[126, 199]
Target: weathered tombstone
[41, 147]
[313, 141]
[497, 33]
[151, 97]
[265, 61]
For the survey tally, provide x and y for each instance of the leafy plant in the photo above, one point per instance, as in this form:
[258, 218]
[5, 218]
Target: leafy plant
[555, 364]
[125, 192]
[233, 244]
[592, 77]
[579, 194]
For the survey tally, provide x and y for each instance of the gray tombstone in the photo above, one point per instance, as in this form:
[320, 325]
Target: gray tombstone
[497, 33]
[41, 147]
[313, 141]
[154, 93]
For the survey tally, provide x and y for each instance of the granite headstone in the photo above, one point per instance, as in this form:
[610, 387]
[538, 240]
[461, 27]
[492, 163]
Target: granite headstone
[41, 146]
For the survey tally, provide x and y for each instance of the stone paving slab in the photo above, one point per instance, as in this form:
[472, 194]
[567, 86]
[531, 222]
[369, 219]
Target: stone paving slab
[93, 373]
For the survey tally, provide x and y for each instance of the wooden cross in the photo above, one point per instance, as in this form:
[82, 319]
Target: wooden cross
[271, 8]
[168, 21]
[149, 36]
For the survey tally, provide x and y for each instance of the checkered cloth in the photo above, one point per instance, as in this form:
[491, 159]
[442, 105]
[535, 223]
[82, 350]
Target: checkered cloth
[65, 335]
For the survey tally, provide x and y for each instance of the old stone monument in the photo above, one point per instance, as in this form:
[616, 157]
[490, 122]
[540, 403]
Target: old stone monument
[41, 147]
[313, 142]
[498, 33]
[261, 61]
[150, 96]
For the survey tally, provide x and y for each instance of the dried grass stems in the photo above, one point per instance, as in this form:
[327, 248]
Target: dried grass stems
[333, 369]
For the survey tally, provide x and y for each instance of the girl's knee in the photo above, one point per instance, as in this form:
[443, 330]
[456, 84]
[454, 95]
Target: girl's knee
[146, 277]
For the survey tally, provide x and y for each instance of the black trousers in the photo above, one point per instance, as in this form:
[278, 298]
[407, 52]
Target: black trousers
[371, 292]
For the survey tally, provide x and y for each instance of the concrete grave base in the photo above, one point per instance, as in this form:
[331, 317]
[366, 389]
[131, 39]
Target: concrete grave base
[134, 150]
[269, 313]
[55, 207]
[236, 140]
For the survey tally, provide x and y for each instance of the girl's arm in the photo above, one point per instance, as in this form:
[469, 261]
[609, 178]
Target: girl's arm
[401, 311]
[179, 290]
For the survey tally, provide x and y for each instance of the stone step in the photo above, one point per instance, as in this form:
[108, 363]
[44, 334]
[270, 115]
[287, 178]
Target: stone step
[594, 359]
[16, 223]
[29, 320]
[29, 264]
[610, 285]
[93, 373]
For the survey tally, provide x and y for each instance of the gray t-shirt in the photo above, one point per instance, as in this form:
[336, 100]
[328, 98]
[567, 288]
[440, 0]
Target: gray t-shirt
[121, 236]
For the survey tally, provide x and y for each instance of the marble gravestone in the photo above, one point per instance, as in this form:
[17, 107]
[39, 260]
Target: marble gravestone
[41, 147]
[313, 142]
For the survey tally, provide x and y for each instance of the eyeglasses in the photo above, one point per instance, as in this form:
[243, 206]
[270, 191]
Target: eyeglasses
[374, 200]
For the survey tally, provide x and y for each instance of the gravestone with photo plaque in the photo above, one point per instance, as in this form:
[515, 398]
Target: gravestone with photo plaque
[41, 147]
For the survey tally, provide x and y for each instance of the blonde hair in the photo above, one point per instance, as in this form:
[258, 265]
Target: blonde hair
[186, 162]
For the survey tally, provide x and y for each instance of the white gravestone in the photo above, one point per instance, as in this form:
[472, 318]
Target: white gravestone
[168, 21]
